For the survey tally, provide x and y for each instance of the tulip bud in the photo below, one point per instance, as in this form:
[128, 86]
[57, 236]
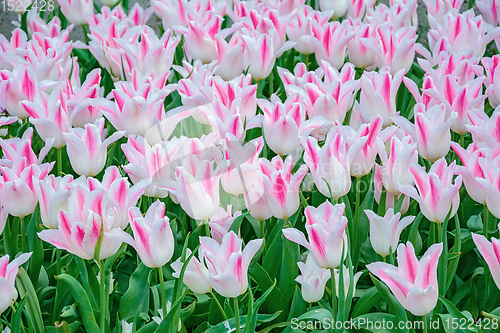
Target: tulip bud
[313, 280]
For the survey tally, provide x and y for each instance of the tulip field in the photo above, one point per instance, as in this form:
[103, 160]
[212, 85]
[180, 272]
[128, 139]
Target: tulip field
[250, 166]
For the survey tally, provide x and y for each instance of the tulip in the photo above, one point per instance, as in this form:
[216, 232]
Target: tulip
[464, 31]
[50, 116]
[360, 55]
[20, 148]
[489, 181]
[385, 231]
[199, 39]
[484, 128]
[281, 188]
[358, 8]
[240, 174]
[53, 193]
[197, 187]
[224, 121]
[339, 8]
[17, 189]
[400, 13]
[330, 42]
[260, 54]
[137, 108]
[221, 222]
[150, 53]
[79, 98]
[228, 264]
[396, 48]
[153, 239]
[492, 78]
[76, 10]
[395, 168]
[490, 10]
[80, 226]
[372, 138]
[325, 227]
[378, 95]
[86, 150]
[196, 275]
[332, 98]
[460, 99]
[489, 251]
[313, 280]
[3, 218]
[436, 191]
[413, 282]
[347, 280]
[285, 123]
[229, 57]
[172, 12]
[8, 274]
[301, 25]
[439, 8]
[285, 6]
[150, 162]
[431, 130]
[255, 199]
[16, 86]
[474, 167]
[331, 165]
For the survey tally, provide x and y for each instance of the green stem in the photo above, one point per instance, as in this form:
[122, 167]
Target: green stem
[334, 295]
[262, 233]
[59, 162]
[235, 204]
[462, 140]
[218, 305]
[103, 296]
[485, 221]
[440, 232]
[236, 314]
[425, 324]
[285, 222]
[162, 292]
[207, 227]
[58, 261]
[306, 60]
[23, 235]
[271, 83]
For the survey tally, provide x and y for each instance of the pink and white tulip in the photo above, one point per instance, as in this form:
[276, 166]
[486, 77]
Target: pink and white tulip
[489, 251]
[378, 95]
[281, 188]
[241, 172]
[413, 282]
[385, 231]
[86, 150]
[325, 227]
[339, 8]
[347, 280]
[437, 192]
[301, 25]
[196, 275]
[431, 130]
[492, 78]
[360, 55]
[76, 11]
[330, 42]
[490, 10]
[228, 264]
[484, 128]
[153, 239]
[16, 86]
[312, 279]
[53, 193]
[8, 274]
[221, 222]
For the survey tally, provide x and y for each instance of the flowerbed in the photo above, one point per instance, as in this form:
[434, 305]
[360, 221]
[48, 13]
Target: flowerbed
[274, 166]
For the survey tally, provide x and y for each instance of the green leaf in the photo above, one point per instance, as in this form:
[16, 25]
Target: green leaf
[82, 301]
[229, 325]
[273, 254]
[366, 302]
[136, 298]
[25, 288]
[16, 323]
[317, 314]
[237, 223]
[457, 247]
[252, 324]
[455, 313]
[289, 268]
[35, 246]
